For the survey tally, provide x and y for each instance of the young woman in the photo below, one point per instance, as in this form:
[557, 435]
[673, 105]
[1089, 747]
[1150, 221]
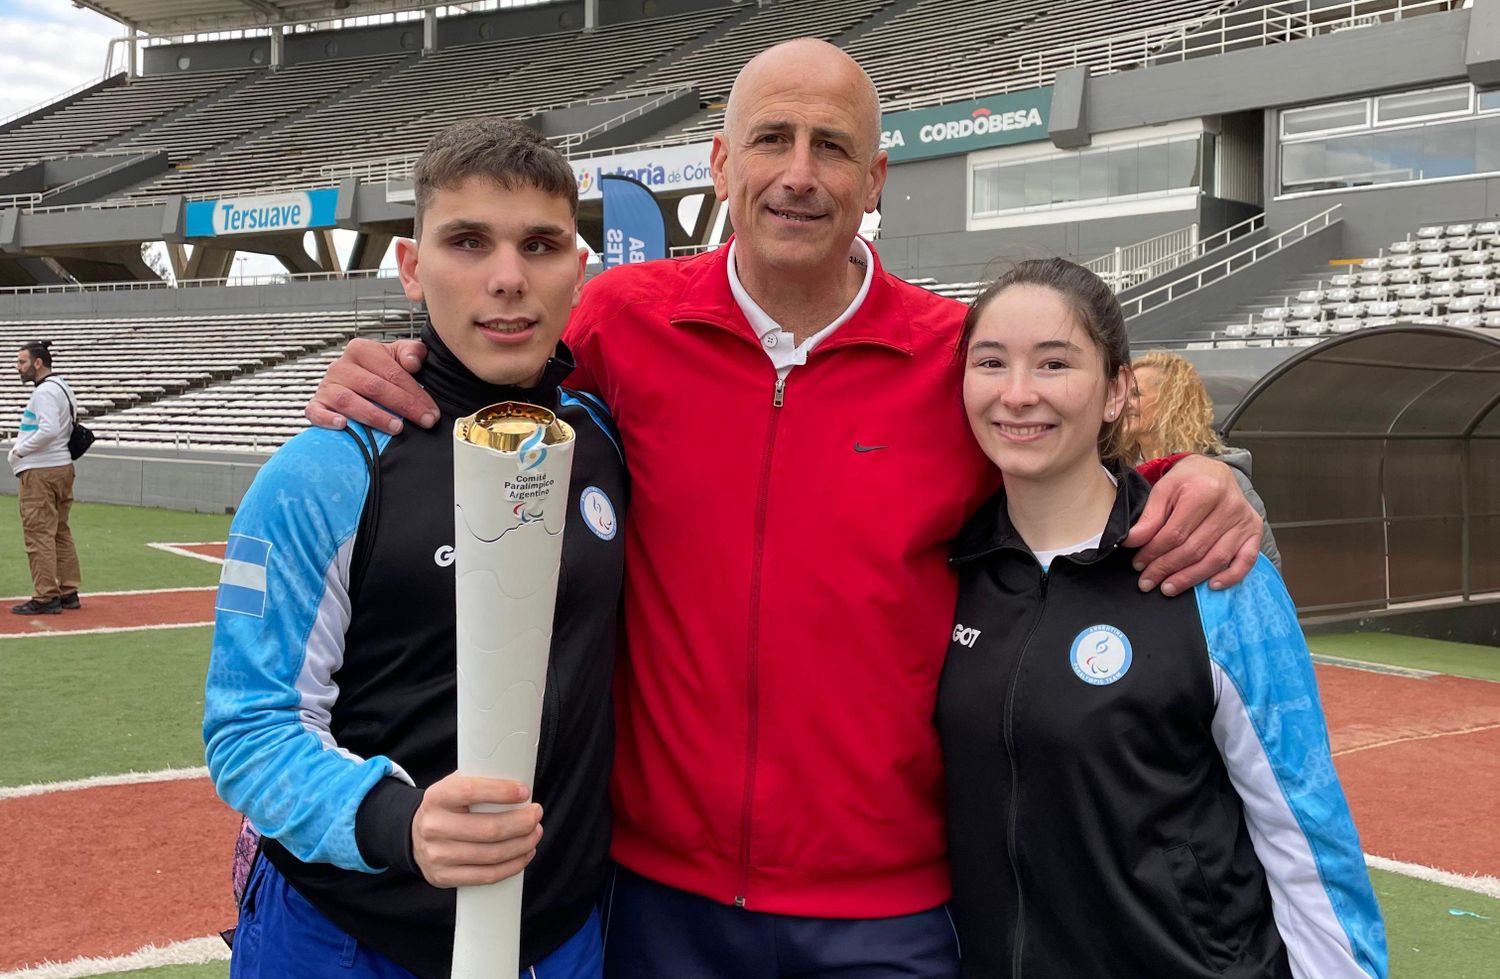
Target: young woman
[1138, 786]
[1171, 412]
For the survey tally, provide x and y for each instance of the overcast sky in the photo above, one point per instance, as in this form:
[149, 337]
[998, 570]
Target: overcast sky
[48, 47]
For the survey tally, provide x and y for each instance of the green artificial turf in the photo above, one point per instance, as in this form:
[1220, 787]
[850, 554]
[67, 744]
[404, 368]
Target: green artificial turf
[76, 706]
[1455, 658]
[1427, 940]
[112, 549]
[208, 970]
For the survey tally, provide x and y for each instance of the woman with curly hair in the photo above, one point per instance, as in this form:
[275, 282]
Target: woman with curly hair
[1172, 413]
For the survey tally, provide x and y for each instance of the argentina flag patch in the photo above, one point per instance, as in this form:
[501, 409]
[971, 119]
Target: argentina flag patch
[242, 585]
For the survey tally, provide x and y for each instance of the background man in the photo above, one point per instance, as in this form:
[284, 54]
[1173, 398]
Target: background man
[802, 463]
[330, 715]
[41, 462]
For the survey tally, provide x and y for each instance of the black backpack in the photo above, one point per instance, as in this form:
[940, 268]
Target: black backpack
[81, 438]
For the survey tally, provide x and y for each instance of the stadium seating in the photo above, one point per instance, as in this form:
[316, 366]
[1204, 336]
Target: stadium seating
[1447, 275]
[257, 129]
[91, 122]
[136, 378]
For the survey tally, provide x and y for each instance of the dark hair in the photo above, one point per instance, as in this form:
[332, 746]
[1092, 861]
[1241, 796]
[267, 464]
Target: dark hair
[38, 351]
[510, 153]
[1098, 312]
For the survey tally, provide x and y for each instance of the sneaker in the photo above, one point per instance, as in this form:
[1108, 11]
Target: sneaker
[70, 601]
[34, 607]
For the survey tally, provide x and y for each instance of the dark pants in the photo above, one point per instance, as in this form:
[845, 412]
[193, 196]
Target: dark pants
[282, 936]
[651, 931]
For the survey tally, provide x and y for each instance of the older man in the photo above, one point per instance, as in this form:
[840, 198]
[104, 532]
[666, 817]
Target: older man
[800, 461]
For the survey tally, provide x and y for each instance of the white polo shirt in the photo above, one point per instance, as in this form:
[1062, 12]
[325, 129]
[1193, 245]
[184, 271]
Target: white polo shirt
[782, 347]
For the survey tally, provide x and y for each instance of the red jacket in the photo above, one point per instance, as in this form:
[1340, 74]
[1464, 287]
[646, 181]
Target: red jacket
[788, 600]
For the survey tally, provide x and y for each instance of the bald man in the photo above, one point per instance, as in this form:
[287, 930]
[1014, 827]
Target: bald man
[800, 461]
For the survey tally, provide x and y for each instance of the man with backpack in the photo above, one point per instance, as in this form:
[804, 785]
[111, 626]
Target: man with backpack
[41, 461]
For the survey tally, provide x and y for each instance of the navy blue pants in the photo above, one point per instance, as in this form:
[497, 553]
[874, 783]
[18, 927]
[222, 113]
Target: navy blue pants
[652, 931]
[282, 936]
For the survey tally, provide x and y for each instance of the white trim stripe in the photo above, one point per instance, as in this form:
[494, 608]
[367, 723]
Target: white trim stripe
[194, 951]
[1478, 883]
[40, 633]
[100, 781]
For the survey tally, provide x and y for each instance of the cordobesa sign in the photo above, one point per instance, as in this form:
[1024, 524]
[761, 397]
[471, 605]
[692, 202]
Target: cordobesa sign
[960, 127]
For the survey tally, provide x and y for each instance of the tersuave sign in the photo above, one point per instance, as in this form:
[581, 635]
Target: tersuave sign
[296, 211]
[961, 127]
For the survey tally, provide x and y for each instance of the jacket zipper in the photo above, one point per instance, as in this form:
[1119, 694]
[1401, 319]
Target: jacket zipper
[1015, 785]
[752, 650]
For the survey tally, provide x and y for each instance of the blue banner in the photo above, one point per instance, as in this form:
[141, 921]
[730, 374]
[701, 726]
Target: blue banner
[634, 230]
[295, 211]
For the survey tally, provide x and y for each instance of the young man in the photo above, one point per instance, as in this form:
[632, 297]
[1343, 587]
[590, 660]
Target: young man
[330, 716]
[789, 405]
[41, 462]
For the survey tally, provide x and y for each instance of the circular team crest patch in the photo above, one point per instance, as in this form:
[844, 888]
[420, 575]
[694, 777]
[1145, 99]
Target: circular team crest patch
[598, 513]
[1100, 655]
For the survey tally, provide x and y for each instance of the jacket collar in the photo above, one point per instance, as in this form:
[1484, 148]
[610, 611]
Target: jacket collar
[990, 529]
[881, 320]
[458, 392]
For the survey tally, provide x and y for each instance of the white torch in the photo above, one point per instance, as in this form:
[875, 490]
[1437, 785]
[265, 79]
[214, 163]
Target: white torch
[511, 465]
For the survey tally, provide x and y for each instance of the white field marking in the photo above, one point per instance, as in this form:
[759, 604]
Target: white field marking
[194, 951]
[99, 781]
[137, 591]
[181, 548]
[1359, 664]
[1478, 884]
[1415, 737]
[94, 632]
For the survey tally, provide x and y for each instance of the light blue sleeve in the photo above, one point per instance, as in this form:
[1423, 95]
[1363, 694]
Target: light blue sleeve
[280, 616]
[1270, 729]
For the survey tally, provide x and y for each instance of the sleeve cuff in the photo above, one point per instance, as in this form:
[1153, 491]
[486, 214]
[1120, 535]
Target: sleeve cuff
[382, 826]
[1153, 470]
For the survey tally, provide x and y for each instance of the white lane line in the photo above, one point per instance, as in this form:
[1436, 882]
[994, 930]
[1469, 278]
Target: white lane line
[1478, 883]
[1359, 664]
[181, 548]
[194, 951]
[99, 781]
[141, 591]
[94, 632]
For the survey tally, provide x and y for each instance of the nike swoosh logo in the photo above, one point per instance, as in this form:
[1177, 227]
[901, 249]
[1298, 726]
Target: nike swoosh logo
[869, 448]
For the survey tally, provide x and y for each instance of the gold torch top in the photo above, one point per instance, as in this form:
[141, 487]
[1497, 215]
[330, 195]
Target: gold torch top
[507, 426]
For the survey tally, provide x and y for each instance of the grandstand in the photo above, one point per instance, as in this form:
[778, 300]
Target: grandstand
[1440, 276]
[190, 381]
[1159, 160]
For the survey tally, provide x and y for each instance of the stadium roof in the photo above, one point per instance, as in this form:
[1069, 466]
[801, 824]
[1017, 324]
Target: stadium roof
[164, 17]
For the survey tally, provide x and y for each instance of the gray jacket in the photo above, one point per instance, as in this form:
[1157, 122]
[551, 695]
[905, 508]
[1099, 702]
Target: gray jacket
[1239, 461]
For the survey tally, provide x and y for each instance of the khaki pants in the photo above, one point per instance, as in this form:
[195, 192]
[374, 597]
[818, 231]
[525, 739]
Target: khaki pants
[46, 497]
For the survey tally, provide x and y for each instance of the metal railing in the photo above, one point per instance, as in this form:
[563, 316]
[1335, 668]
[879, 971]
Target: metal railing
[1133, 264]
[135, 285]
[572, 140]
[128, 158]
[1237, 262]
[1225, 30]
[1124, 266]
[56, 98]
